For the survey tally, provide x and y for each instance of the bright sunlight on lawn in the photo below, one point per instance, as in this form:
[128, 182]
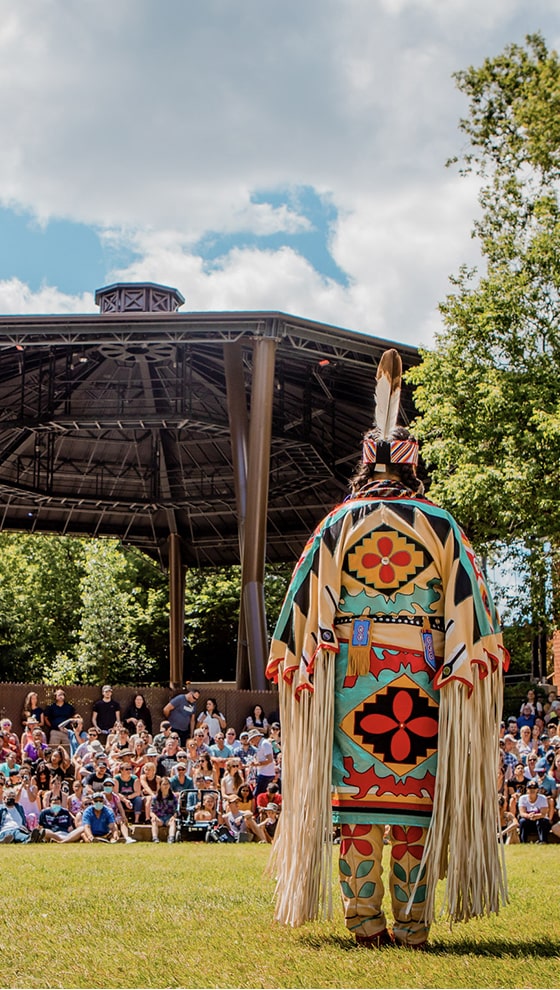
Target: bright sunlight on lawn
[193, 915]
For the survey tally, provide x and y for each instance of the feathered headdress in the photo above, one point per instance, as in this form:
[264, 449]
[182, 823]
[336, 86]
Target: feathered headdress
[380, 447]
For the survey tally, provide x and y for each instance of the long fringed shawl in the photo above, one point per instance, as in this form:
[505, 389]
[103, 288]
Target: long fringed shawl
[461, 843]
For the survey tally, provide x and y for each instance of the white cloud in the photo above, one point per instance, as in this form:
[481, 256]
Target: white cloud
[17, 298]
[162, 121]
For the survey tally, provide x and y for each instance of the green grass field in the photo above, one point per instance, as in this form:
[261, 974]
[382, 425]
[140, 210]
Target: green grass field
[193, 915]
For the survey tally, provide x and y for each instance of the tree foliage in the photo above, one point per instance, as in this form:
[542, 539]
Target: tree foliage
[488, 392]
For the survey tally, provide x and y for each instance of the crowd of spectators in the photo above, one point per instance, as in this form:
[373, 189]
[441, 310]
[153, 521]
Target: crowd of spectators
[529, 771]
[68, 778]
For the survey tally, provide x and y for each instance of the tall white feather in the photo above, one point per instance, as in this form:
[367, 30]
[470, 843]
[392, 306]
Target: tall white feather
[388, 392]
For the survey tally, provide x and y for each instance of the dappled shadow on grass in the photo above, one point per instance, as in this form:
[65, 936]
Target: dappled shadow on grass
[498, 947]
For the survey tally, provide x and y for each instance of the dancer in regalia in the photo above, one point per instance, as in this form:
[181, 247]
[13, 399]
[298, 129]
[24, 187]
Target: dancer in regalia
[389, 661]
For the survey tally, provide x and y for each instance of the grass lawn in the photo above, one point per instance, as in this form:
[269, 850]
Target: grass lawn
[193, 915]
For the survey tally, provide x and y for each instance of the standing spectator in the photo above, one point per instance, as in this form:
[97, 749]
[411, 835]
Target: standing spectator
[58, 712]
[264, 760]
[212, 718]
[257, 720]
[181, 713]
[105, 712]
[536, 707]
[138, 710]
[32, 709]
[533, 814]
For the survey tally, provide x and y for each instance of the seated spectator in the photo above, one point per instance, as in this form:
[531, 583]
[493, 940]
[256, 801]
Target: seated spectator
[530, 765]
[269, 819]
[527, 717]
[13, 825]
[219, 753]
[149, 783]
[207, 809]
[533, 814]
[524, 746]
[114, 802]
[76, 798]
[10, 764]
[168, 759]
[246, 798]
[128, 787]
[76, 732]
[241, 824]
[199, 736]
[162, 736]
[232, 742]
[93, 781]
[232, 778]
[86, 749]
[516, 787]
[57, 793]
[57, 820]
[120, 742]
[257, 720]
[270, 796]
[275, 740]
[32, 730]
[139, 758]
[508, 824]
[163, 811]
[60, 764]
[246, 753]
[43, 779]
[99, 821]
[11, 740]
[138, 711]
[512, 727]
[35, 747]
[28, 798]
[179, 780]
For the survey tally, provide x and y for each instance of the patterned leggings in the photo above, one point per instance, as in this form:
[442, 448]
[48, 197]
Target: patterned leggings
[362, 888]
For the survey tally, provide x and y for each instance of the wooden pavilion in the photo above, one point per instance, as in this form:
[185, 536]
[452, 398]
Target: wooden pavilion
[199, 438]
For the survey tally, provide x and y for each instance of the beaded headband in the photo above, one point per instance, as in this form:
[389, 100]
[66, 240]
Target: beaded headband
[381, 448]
[389, 451]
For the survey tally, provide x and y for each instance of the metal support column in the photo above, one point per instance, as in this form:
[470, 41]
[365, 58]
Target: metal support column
[254, 543]
[176, 611]
[238, 424]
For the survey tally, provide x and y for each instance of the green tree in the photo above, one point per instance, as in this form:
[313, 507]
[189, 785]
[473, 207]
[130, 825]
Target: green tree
[117, 617]
[487, 393]
[40, 602]
[212, 615]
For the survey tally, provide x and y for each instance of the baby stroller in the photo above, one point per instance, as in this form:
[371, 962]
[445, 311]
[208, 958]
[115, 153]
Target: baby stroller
[189, 829]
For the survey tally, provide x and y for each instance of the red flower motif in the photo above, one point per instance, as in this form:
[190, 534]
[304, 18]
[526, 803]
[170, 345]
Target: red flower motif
[406, 844]
[351, 837]
[401, 725]
[387, 557]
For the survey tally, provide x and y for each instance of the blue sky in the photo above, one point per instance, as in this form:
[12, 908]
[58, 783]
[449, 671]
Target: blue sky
[254, 155]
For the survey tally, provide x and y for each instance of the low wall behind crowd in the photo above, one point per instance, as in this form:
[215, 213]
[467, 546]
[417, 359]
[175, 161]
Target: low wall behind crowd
[234, 704]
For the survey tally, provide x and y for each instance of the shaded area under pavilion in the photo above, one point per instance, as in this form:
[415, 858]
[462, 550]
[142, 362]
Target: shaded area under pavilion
[198, 438]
